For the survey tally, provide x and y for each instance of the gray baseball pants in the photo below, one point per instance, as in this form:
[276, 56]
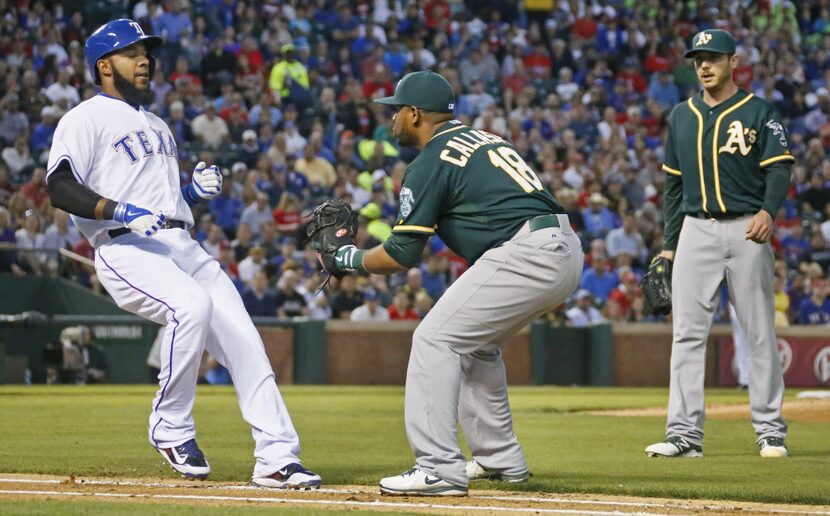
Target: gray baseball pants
[708, 251]
[456, 372]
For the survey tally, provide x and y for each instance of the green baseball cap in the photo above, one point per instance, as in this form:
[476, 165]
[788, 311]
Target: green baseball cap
[712, 40]
[425, 90]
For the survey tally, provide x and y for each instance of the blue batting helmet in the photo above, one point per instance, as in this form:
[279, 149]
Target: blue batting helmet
[114, 36]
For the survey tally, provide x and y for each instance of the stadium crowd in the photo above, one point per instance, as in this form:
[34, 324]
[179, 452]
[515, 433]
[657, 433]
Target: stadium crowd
[278, 94]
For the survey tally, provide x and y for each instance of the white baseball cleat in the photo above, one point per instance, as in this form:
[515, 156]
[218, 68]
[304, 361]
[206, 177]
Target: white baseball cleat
[417, 483]
[675, 446]
[292, 476]
[476, 471]
[773, 448]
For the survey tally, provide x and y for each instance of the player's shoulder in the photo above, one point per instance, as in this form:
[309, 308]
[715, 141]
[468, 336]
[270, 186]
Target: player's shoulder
[682, 108]
[82, 114]
[760, 104]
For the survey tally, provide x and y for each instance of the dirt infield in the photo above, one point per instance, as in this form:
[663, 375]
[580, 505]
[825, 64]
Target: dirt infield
[364, 498]
[805, 410]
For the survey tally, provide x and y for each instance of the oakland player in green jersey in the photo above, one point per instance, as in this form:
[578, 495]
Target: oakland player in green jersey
[477, 193]
[728, 169]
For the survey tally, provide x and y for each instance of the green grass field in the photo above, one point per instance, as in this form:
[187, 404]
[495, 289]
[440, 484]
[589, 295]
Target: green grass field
[355, 435]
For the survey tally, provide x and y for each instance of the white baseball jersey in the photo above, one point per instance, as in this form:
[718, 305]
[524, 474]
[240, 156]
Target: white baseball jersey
[121, 153]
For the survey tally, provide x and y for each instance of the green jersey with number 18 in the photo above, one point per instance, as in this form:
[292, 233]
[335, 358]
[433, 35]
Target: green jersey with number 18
[473, 189]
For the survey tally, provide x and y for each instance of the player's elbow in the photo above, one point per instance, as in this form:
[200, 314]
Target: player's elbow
[59, 193]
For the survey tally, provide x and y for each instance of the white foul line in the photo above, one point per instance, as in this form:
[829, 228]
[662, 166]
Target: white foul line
[250, 499]
[575, 501]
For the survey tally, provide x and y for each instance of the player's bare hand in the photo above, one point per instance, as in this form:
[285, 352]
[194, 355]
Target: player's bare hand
[669, 255]
[207, 181]
[138, 219]
[760, 228]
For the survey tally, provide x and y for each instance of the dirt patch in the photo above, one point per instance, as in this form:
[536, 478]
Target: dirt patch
[364, 498]
[804, 410]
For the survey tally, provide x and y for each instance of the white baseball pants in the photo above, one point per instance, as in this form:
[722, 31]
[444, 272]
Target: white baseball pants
[169, 279]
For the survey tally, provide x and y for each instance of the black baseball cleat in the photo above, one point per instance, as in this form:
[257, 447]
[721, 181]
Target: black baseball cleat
[187, 460]
[292, 476]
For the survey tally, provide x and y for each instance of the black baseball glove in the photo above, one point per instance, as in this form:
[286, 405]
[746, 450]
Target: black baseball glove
[332, 225]
[656, 285]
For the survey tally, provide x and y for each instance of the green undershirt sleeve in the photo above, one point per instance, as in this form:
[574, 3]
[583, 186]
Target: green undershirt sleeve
[777, 184]
[406, 248]
[672, 215]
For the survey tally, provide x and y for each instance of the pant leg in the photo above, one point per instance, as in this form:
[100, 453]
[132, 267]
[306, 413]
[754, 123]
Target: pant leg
[142, 276]
[235, 342]
[750, 277]
[506, 288]
[697, 274]
[484, 414]
[740, 346]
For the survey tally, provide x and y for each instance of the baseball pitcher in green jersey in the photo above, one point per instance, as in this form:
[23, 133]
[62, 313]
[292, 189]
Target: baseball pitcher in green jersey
[474, 190]
[728, 170]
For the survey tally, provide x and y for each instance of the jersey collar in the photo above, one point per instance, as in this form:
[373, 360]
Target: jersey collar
[452, 125]
[703, 107]
[134, 106]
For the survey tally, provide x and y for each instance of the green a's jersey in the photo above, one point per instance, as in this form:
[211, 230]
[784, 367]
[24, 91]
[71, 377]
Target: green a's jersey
[721, 153]
[472, 188]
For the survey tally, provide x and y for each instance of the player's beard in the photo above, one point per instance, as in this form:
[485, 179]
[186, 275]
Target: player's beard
[128, 90]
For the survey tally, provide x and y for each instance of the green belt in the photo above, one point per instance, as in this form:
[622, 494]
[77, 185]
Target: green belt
[544, 221]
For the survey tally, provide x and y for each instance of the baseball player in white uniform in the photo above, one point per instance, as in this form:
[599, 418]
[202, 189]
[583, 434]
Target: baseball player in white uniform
[114, 167]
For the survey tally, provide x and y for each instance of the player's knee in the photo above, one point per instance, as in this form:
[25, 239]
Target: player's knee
[199, 306]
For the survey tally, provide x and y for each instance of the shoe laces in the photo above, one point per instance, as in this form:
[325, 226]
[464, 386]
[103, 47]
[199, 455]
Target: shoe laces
[774, 441]
[191, 449]
[410, 472]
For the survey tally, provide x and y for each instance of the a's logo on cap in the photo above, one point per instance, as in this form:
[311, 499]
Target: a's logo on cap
[703, 39]
[451, 106]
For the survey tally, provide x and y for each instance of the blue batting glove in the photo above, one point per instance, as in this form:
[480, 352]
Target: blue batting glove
[138, 219]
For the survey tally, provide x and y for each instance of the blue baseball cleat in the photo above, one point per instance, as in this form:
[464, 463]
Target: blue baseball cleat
[187, 460]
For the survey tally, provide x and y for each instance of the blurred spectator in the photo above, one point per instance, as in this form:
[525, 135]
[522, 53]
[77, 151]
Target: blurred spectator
[35, 188]
[621, 300]
[598, 279]
[663, 90]
[226, 208]
[44, 130]
[18, 157]
[217, 67]
[256, 213]
[598, 219]
[583, 313]
[377, 228]
[250, 265]
[477, 101]
[61, 92]
[370, 310]
[816, 308]
[346, 299]
[59, 235]
[287, 214]
[319, 172]
[210, 129]
[401, 307]
[243, 242]
[434, 275]
[13, 121]
[627, 239]
[317, 302]
[28, 240]
[289, 78]
[422, 304]
[215, 237]
[290, 303]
